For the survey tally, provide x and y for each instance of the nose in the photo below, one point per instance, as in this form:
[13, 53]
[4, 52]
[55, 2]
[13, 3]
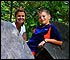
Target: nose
[42, 18]
[21, 17]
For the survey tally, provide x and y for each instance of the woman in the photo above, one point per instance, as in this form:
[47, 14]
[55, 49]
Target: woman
[19, 24]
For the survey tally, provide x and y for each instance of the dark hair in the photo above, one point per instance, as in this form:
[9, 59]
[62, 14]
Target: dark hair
[43, 10]
[19, 10]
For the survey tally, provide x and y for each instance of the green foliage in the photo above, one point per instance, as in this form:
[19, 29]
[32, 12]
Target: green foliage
[59, 11]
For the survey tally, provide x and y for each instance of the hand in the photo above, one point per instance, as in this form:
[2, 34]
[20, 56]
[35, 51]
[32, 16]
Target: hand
[42, 43]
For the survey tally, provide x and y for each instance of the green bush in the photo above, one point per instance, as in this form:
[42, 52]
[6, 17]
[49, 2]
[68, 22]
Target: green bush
[59, 11]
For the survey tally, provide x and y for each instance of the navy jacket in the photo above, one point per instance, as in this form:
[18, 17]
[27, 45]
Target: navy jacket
[39, 33]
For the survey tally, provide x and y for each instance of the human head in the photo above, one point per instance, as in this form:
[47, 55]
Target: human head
[20, 15]
[44, 16]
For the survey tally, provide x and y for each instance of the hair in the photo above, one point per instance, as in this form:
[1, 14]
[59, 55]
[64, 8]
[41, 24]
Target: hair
[43, 10]
[19, 10]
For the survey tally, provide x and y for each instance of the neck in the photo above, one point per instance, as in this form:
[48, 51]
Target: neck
[18, 25]
[47, 23]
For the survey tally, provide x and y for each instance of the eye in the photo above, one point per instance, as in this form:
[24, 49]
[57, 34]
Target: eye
[22, 15]
[19, 15]
[43, 16]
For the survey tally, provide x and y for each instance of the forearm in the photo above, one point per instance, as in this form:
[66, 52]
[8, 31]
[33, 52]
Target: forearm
[54, 41]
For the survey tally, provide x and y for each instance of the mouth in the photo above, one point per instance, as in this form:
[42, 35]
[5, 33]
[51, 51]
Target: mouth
[20, 19]
[42, 20]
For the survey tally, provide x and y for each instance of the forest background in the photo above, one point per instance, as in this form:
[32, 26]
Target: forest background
[59, 11]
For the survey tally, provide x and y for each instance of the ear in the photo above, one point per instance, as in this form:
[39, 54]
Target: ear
[49, 17]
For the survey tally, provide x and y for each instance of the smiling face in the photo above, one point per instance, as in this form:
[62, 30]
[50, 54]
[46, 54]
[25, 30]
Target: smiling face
[20, 17]
[44, 17]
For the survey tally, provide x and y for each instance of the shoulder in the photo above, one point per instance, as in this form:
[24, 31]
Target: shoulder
[35, 28]
[54, 29]
[23, 26]
[53, 26]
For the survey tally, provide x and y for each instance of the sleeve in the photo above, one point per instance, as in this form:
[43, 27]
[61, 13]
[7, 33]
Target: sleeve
[22, 29]
[55, 34]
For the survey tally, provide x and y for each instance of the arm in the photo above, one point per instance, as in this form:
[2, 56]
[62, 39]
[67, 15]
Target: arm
[54, 41]
[55, 38]
[24, 36]
[23, 32]
[50, 41]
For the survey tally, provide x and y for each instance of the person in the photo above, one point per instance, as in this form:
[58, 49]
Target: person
[45, 32]
[19, 24]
